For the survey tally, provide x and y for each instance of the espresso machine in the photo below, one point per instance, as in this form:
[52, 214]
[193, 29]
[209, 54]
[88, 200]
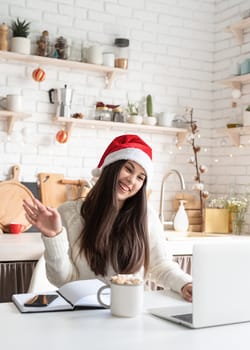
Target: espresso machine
[63, 99]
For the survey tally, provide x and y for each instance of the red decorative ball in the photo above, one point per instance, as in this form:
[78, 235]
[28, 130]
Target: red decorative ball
[62, 136]
[38, 74]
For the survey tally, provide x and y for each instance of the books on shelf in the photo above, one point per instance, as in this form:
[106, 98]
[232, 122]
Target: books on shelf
[71, 296]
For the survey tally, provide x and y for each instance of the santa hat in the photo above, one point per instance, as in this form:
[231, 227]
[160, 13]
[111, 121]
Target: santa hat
[127, 147]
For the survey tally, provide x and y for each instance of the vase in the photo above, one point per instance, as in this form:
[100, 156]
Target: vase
[237, 226]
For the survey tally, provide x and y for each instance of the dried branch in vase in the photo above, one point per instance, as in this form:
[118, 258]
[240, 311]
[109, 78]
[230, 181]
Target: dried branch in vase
[199, 168]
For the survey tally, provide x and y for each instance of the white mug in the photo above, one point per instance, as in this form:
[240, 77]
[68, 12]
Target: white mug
[108, 59]
[126, 300]
[94, 54]
[12, 103]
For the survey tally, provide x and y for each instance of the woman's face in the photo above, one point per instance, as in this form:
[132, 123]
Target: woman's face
[130, 180]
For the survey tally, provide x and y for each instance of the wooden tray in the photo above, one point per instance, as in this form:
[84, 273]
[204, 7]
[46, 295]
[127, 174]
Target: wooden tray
[12, 194]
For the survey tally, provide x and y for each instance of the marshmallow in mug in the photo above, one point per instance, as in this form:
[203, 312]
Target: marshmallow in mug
[126, 279]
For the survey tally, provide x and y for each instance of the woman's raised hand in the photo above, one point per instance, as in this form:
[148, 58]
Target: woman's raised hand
[45, 219]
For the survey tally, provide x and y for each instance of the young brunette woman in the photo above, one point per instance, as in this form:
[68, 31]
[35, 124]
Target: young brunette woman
[114, 230]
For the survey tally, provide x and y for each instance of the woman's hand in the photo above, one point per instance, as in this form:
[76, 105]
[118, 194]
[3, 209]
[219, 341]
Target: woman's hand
[45, 219]
[186, 292]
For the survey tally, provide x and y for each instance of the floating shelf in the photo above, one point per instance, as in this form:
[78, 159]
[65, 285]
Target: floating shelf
[109, 72]
[235, 133]
[236, 81]
[11, 118]
[237, 29]
[89, 123]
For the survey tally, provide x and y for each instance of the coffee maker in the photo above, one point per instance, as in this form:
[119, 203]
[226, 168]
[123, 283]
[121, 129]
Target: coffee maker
[63, 99]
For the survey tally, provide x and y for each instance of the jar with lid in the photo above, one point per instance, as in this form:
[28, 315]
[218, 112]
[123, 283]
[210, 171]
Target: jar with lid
[103, 113]
[121, 53]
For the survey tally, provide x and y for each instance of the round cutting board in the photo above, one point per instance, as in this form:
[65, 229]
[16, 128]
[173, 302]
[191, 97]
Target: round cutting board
[12, 194]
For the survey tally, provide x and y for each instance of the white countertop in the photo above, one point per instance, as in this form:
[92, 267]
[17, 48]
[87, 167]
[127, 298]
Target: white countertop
[97, 329]
[29, 245]
[21, 247]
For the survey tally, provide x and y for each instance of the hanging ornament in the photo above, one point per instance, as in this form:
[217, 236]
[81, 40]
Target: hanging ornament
[62, 136]
[38, 74]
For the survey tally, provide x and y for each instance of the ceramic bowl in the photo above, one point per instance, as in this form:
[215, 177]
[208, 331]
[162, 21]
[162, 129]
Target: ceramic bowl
[135, 119]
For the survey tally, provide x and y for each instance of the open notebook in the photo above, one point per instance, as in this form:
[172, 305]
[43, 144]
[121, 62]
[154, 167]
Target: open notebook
[221, 286]
[73, 295]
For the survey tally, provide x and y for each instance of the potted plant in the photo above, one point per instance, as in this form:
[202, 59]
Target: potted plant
[246, 116]
[133, 113]
[149, 119]
[20, 42]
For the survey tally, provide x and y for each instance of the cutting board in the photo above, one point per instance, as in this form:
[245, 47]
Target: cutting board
[192, 207]
[55, 189]
[12, 194]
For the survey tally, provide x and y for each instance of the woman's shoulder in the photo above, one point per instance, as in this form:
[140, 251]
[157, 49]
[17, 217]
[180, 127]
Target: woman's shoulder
[70, 206]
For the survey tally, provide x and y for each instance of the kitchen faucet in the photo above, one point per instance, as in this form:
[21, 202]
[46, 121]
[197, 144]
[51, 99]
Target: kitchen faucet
[165, 177]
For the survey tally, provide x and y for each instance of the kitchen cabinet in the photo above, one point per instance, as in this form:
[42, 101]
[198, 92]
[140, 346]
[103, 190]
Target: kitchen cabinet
[11, 118]
[108, 72]
[68, 123]
[237, 29]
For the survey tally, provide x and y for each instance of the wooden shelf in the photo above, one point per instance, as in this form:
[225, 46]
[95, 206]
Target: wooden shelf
[235, 133]
[11, 118]
[89, 123]
[237, 29]
[236, 81]
[108, 72]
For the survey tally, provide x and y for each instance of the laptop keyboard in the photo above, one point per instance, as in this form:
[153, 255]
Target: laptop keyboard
[186, 317]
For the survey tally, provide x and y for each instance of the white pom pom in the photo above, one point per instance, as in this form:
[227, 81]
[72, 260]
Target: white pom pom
[96, 172]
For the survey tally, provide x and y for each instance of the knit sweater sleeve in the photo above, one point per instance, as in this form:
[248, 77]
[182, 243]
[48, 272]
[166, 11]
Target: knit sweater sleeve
[163, 269]
[60, 267]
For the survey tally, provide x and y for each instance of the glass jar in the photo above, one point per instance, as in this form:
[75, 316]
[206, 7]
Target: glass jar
[121, 53]
[103, 113]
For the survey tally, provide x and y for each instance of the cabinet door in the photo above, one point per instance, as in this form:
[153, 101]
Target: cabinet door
[15, 278]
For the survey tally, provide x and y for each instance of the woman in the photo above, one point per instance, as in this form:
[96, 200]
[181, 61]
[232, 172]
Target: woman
[114, 230]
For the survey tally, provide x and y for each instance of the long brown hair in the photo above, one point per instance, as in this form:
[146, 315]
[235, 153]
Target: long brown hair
[110, 235]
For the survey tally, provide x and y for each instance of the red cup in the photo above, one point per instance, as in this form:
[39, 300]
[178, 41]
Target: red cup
[15, 228]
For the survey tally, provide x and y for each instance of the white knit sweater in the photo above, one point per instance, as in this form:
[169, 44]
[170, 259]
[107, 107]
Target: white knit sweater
[64, 264]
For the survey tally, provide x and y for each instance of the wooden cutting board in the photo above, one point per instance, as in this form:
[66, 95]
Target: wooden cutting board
[55, 190]
[12, 194]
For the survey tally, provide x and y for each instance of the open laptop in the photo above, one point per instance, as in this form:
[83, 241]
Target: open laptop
[221, 285]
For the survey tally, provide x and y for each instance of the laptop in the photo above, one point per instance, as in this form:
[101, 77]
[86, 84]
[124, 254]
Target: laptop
[221, 286]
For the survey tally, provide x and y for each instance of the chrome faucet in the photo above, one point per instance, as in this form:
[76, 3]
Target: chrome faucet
[180, 176]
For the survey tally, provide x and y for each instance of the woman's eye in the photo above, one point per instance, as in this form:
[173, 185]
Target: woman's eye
[128, 169]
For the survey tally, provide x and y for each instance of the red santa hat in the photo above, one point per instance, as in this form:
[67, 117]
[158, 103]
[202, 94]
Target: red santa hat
[127, 147]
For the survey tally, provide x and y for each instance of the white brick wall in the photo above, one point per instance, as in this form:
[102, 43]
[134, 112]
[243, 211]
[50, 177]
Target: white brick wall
[178, 52]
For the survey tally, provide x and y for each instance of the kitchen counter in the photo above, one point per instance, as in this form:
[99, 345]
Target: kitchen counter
[29, 246]
[21, 247]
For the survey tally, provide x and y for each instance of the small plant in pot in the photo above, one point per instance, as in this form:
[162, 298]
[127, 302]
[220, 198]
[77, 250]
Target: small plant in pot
[246, 116]
[149, 119]
[133, 113]
[20, 42]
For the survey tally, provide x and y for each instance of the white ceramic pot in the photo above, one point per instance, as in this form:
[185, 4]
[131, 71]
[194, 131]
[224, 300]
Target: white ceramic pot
[165, 118]
[246, 118]
[94, 54]
[135, 119]
[20, 45]
[149, 120]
